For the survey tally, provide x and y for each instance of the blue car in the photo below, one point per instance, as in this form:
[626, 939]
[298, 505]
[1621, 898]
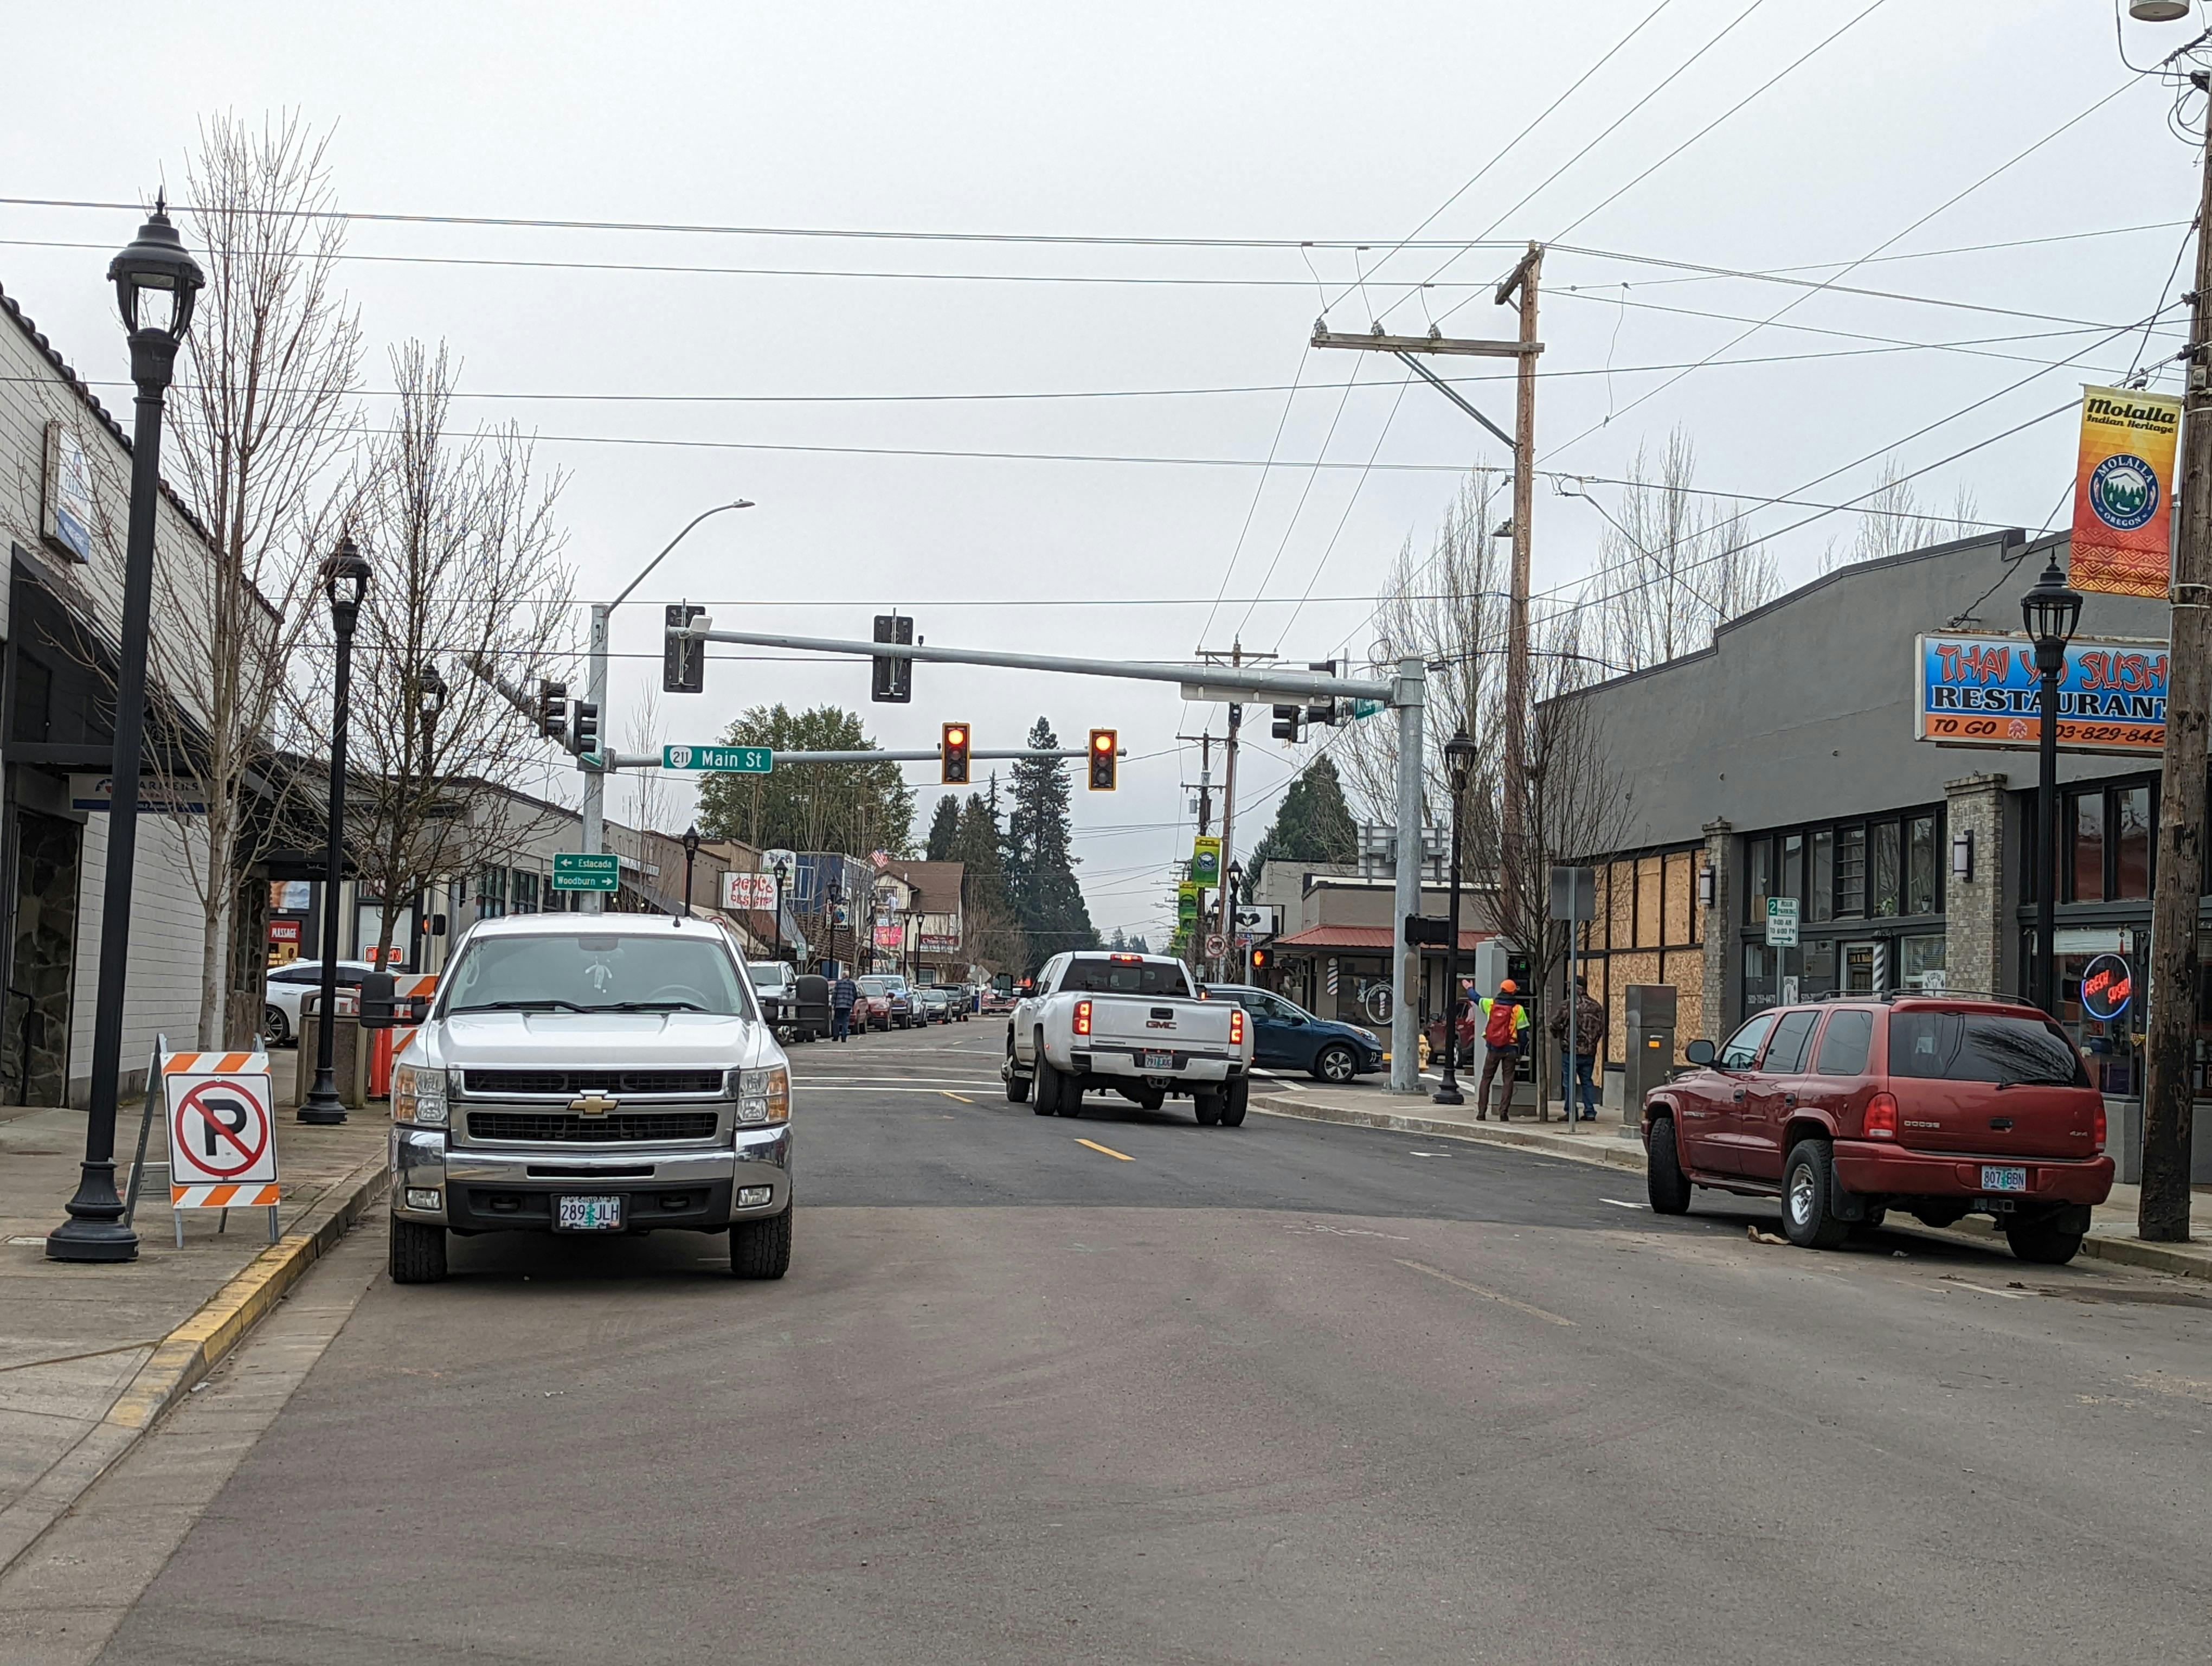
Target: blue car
[1285, 1036]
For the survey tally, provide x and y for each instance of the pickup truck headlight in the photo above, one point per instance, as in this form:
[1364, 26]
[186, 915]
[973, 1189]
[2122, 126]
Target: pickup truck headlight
[418, 1096]
[764, 1095]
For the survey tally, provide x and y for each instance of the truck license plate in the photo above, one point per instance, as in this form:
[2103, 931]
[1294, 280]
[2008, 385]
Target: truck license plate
[588, 1214]
[2003, 1179]
[1160, 1061]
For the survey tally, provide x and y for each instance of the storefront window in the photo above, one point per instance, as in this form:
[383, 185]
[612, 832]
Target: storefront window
[526, 892]
[1920, 963]
[1851, 873]
[1920, 865]
[1758, 879]
[1760, 971]
[1820, 886]
[1884, 868]
[491, 893]
[2086, 827]
[1818, 960]
[1791, 880]
[2131, 842]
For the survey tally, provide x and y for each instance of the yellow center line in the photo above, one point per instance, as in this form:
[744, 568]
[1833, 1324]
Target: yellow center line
[1108, 1150]
[950, 1094]
[1488, 1295]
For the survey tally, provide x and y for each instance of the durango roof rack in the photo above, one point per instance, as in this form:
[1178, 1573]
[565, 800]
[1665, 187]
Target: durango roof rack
[1888, 995]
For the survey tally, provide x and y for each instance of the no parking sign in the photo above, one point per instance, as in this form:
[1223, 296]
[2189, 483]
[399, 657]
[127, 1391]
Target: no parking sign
[222, 1149]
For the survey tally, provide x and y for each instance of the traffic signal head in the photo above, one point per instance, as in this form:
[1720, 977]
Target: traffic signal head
[1105, 759]
[552, 709]
[1290, 724]
[682, 659]
[584, 728]
[952, 754]
[1261, 959]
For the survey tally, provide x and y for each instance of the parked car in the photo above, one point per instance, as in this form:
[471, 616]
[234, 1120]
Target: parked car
[1131, 1024]
[1935, 1105]
[776, 984]
[996, 1002]
[577, 1075]
[884, 1001]
[280, 1011]
[1286, 1037]
[932, 1004]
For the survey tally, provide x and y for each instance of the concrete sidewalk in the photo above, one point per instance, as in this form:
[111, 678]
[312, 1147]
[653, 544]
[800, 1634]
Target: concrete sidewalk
[2112, 1224]
[91, 1355]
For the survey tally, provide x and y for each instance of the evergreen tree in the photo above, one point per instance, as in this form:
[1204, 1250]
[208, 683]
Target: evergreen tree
[1313, 824]
[1138, 945]
[994, 937]
[852, 807]
[1120, 941]
[1039, 872]
[944, 830]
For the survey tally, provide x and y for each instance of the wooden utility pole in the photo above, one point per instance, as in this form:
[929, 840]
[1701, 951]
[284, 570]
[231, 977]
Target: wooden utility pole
[1205, 821]
[1522, 280]
[2162, 1212]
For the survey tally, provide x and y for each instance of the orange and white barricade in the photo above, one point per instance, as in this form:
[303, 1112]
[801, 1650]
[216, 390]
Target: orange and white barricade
[222, 1133]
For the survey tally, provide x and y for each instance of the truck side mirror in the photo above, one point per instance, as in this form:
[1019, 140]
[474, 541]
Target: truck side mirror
[1699, 1052]
[378, 1004]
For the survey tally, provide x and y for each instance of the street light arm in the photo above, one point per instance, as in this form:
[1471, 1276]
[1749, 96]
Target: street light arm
[742, 504]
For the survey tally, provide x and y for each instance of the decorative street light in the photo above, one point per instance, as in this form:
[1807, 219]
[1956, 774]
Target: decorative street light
[345, 582]
[1459, 754]
[1231, 887]
[691, 855]
[155, 282]
[782, 873]
[834, 901]
[2051, 611]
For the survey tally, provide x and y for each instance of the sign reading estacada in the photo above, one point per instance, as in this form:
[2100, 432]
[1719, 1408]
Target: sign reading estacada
[2123, 492]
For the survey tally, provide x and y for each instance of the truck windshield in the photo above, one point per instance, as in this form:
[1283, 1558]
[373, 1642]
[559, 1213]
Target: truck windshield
[589, 972]
[1982, 1047]
[1102, 974]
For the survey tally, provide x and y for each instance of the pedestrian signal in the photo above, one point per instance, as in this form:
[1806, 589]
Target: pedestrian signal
[952, 754]
[892, 680]
[1105, 759]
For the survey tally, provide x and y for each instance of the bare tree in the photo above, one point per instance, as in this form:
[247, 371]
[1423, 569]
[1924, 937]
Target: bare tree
[468, 571]
[261, 424]
[1894, 522]
[648, 787]
[1672, 565]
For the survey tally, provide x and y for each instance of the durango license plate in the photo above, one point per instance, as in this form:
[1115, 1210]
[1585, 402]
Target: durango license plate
[1160, 1061]
[588, 1214]
[2006, 1179]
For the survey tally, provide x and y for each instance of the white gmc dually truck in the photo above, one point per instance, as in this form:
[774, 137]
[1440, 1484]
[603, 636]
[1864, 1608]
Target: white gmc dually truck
[1130, 1022]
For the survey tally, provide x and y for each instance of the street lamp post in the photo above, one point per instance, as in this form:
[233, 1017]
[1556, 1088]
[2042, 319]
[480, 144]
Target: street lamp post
[1459, 754]
[2052, 611]
[155, 282]
[1232, 880]
[833, 899]
[345, 581]
[431, 691]
[691, 855]
[783, 871]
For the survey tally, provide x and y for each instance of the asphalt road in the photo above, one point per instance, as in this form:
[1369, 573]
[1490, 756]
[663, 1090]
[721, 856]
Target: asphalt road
[1292, 1392]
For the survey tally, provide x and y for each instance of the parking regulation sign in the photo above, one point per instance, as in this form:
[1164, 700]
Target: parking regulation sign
[222, 1149]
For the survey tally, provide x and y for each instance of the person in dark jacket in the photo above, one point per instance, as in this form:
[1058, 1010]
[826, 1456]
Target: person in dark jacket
[844, 994]
[1589, 1041]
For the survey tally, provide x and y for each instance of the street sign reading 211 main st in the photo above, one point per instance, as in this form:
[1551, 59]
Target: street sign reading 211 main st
[725, 760]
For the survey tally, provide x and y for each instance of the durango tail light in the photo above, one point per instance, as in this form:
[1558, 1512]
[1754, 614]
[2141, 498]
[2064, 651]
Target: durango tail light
[1881, 1116]
[1082, 1018]
[2100, 1126]
[1237, 1026]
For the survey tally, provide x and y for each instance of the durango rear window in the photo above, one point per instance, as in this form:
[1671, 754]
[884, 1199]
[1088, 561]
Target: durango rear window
[1982, 1047]
[1098, 976]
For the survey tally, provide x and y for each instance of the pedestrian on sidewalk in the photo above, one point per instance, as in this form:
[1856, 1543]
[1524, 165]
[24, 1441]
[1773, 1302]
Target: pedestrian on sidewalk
[844, 994]
[1590, 1041]
[1504, 1024]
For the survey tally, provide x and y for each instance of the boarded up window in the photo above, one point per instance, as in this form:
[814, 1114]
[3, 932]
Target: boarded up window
[1621, 912]
[1678, 901]
[1649, 878]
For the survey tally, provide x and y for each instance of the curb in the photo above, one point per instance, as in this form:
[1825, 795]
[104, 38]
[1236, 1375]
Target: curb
[186, 1356]
[2120, 1251]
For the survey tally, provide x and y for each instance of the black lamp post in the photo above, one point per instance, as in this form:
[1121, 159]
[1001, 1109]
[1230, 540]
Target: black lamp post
[155, 282]
[1459, 754]
[2051, 611]
[833, 900]
[345, 581]
[1232, 883]
[782, 871]
[690, 856]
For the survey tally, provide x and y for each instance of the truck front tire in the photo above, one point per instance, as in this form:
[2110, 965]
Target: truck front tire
[418, 1252]
[762, 1249]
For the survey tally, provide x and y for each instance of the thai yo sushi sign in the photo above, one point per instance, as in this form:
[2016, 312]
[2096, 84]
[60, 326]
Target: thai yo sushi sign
[1975, 690]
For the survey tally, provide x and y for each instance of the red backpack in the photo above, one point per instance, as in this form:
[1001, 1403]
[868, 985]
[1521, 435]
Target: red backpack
[1501, 1031]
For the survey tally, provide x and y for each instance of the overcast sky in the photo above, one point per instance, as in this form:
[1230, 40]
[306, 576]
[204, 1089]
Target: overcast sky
[1279, 122]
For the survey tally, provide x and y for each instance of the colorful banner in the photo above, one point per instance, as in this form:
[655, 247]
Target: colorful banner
[1983, 691]
[1187, 906]
[2123, 492]
[1205, 859]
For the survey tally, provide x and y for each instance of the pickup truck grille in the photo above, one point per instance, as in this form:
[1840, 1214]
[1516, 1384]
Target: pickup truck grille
[554, 1127]
[699, 1083]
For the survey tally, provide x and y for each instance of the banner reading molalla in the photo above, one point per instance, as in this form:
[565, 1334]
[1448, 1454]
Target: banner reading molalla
[2123, 492]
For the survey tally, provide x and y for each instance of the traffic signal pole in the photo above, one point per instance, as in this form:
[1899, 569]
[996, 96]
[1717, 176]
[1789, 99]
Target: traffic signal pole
[1407, 692]
[595, 780]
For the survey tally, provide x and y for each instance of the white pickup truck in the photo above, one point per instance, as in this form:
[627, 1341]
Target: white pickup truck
[1130, 1022]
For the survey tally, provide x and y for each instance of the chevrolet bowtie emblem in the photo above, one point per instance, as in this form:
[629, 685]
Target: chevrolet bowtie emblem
[592, 1106]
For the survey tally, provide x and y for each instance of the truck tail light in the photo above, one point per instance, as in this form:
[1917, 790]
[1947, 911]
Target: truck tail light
[2100, 1126]
[1237, 1026]
[1882, 1117]
[1082, 1018]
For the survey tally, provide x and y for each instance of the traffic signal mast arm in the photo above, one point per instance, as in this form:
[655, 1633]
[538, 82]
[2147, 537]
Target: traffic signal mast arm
[1001, 754]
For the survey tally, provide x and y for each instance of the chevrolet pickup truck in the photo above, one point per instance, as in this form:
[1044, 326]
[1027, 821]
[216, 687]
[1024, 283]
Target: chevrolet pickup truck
[1129, 1023]
[592, 1075]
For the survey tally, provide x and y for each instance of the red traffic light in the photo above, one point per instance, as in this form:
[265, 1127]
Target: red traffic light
[1105, 759]
[952, 754]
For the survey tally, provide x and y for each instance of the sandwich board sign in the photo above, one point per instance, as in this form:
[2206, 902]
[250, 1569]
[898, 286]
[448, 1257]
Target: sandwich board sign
[222, 1144]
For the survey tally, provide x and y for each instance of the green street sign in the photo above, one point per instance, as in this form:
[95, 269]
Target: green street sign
[572, 870]
[1365, 707]
[725, 760]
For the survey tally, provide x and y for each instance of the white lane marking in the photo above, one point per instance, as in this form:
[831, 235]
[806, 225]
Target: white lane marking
[1488, 1295]
[1620, 1203]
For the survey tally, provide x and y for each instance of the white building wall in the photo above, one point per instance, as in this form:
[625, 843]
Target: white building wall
[161, 989]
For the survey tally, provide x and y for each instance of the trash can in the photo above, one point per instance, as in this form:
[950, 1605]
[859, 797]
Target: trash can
[349, 1057]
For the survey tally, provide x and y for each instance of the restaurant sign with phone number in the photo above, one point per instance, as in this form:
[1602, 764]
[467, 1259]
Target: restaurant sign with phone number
[1977, 690]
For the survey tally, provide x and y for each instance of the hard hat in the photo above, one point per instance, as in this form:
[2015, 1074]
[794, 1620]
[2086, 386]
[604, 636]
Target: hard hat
[1509, 987]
